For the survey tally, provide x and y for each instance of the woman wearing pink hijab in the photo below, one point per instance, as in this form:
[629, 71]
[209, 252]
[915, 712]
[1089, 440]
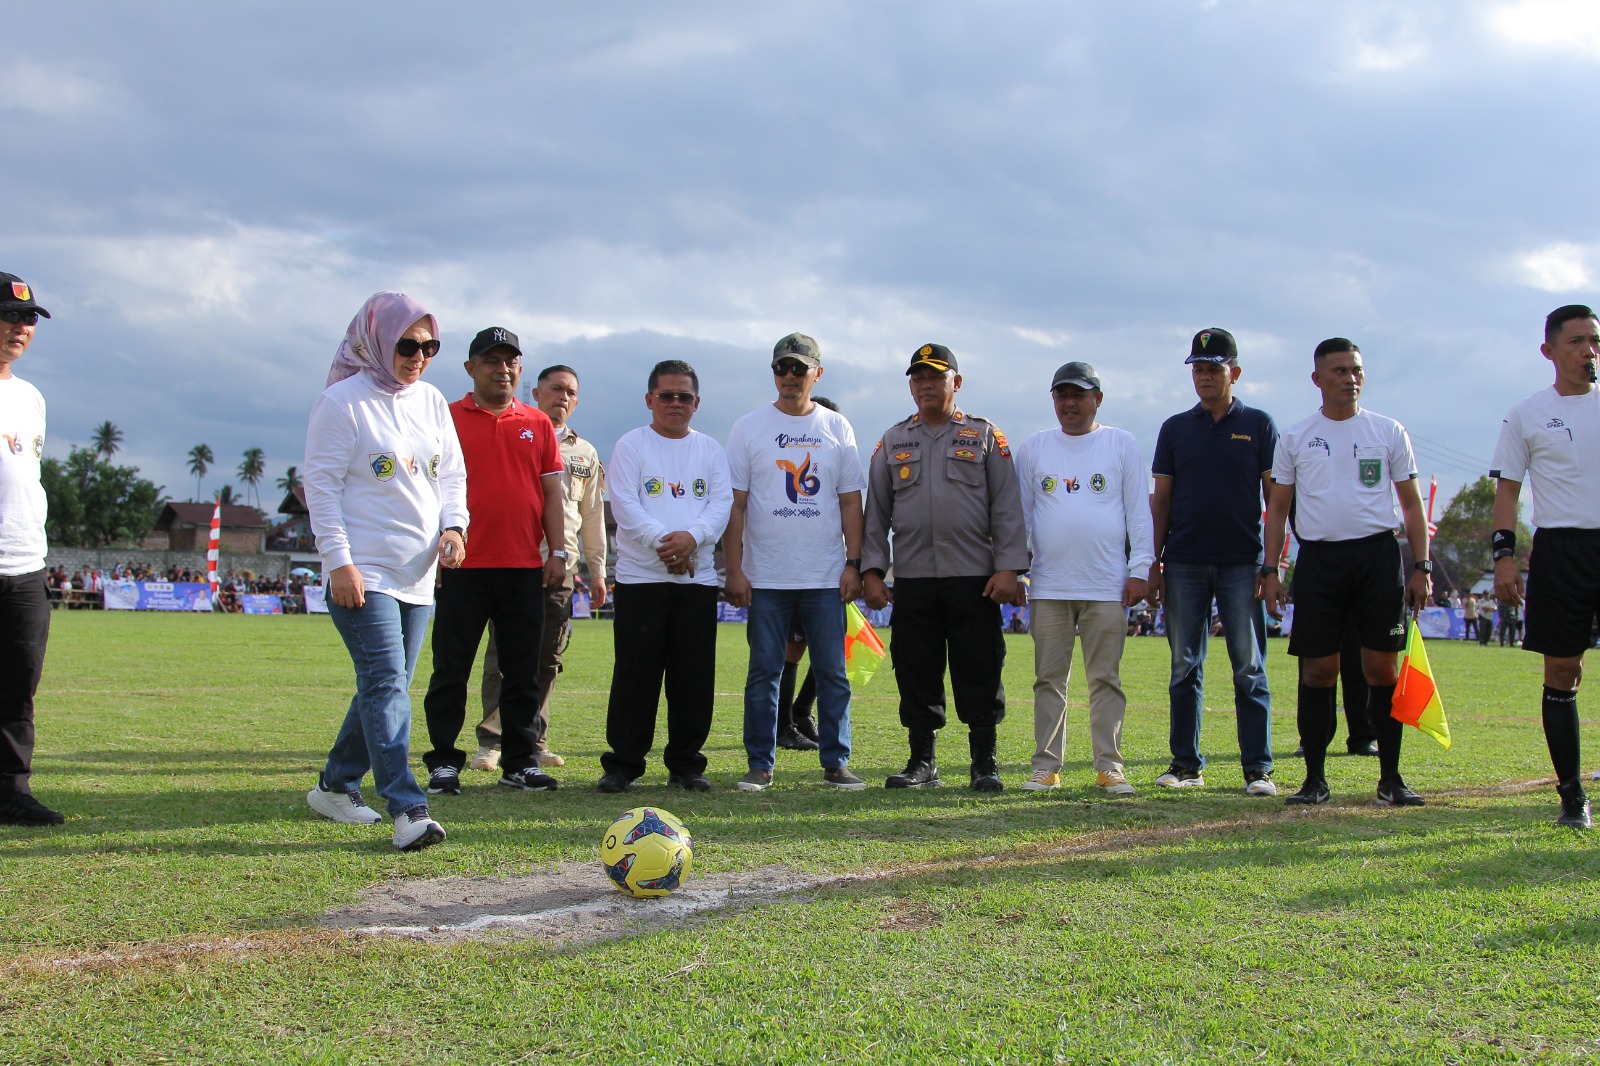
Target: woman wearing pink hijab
[387, 492]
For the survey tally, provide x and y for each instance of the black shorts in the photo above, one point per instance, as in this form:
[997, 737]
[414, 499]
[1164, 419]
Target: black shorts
[1339, 583]
[1563, 591]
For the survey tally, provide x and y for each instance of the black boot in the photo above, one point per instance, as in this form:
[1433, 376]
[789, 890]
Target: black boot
[985, 769]
[804, 724]
[920, 769]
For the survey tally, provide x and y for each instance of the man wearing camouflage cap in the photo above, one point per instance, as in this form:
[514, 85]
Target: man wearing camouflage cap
[944, 483]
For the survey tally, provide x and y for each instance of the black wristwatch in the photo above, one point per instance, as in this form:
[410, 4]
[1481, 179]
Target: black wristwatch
[1269, 571]
[1424, 565]
[854, 564]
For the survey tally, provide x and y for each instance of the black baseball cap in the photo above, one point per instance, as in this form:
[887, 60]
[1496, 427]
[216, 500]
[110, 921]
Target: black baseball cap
[936, 356]
[1083, 375]
[493, 337]
[15, 295]
[797, 346]
[1214, 345]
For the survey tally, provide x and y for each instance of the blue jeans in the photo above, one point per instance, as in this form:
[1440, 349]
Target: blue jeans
[385, 638]
[1190, 589]
[821, 615]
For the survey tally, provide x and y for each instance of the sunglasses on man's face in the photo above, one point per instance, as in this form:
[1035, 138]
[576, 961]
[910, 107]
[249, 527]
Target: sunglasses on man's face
[405, 348]
[790, 370]
[684, 398]
[26, 318]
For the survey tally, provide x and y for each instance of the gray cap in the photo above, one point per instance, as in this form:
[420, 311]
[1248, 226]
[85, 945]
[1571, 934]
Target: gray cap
[1082, 375]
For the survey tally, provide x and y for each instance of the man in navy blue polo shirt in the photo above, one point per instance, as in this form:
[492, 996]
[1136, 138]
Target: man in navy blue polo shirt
[1212, 468]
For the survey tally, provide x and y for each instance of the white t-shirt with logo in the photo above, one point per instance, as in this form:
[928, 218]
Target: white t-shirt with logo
[383, 476]
[1087, 504]
[659, 485]
[1553, 441]
[1343, 474]
[794, 467]
[22, 499]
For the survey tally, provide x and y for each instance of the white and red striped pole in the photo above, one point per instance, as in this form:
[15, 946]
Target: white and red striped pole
[213, 550]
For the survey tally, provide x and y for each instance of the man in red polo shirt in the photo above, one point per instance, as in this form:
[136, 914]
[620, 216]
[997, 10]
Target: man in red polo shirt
[514, 496]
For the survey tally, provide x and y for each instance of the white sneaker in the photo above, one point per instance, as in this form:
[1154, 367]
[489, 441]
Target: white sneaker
[486, 759]
[1042, 781]
[342, 806]
[1259, 783]
[1114, 783]
[414, 830]
[550, 758]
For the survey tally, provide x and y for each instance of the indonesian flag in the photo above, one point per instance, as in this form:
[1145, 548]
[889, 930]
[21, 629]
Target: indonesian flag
[863, 651]
[1416, 697]
[213, 549]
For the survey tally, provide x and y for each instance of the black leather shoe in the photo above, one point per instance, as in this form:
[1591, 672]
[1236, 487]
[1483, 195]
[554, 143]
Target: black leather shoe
[615, 783]
[689, 782]
[918, 772]
[794, 740]
[1314, 791]
[806, 726]
[1367, 747]
[23, 809]
[986, 781]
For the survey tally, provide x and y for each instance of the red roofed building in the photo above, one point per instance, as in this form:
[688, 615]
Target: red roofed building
[188, 527]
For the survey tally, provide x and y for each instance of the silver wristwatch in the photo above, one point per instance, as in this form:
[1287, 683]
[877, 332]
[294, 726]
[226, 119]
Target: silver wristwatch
[564, 556]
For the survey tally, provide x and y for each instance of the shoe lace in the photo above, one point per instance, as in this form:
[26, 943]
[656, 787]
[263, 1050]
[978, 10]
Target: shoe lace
[418, 814]
[355, 798]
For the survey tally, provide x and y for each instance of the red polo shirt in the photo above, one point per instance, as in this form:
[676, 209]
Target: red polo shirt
[507, 457]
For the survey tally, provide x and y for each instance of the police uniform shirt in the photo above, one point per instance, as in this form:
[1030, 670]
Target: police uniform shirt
[949, 493]
[1343, 474]
[583, 484]
[1554, 441]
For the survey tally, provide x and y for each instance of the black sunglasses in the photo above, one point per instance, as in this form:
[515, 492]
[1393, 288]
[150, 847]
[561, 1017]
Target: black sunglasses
[26, 318]
[784, 370]
[676, 397]
[405, 348]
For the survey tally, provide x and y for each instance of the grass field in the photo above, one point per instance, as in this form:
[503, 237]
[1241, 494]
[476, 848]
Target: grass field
[174, 917]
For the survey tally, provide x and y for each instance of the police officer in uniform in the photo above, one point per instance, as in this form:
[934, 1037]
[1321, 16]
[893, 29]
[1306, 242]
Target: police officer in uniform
[944, 482]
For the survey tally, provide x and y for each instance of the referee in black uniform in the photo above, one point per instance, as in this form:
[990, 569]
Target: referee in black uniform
[1553, 438]
[1343, 469]
[944, 482]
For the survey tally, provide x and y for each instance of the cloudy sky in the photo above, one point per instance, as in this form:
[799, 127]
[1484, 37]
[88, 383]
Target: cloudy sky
[204, 193]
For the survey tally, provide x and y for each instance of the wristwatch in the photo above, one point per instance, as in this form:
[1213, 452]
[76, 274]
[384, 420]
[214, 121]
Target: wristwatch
[561, 554]
[1424, 565]
[1269, 571]
[854, 564]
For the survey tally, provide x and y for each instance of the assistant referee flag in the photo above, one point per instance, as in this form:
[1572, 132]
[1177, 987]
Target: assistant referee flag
[1416, 696]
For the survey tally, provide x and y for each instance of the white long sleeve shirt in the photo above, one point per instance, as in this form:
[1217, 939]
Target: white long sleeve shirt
[383, 476]
[22, 500]
[659, 485]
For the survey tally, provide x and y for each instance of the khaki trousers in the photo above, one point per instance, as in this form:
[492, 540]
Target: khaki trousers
[1103, 627]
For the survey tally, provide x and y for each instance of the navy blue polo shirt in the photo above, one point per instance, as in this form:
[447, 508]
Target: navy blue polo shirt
[1216, 470]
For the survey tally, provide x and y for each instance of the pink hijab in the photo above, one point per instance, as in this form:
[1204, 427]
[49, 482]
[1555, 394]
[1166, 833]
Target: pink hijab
[370, 339]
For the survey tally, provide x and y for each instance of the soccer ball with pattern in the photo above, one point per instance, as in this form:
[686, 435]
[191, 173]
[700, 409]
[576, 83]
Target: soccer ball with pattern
[647, 852]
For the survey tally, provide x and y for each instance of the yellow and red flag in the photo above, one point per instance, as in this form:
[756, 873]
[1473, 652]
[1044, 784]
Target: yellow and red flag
[1416, 696]
[863, 651]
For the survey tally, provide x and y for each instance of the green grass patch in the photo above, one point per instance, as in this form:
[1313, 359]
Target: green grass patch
[1184, 926]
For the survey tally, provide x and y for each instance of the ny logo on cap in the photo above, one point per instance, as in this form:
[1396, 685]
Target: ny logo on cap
[500, 335]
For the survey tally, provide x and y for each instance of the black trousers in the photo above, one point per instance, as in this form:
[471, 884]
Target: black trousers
[663, 632]
[467, 600]
[553, 645]
[947, 618]
[24, 630]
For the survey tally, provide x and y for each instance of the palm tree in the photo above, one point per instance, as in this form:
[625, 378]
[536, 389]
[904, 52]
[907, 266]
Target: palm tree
[252, 469]
[225, 497]
[290, 479]
[200, 460]
[107, 439]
